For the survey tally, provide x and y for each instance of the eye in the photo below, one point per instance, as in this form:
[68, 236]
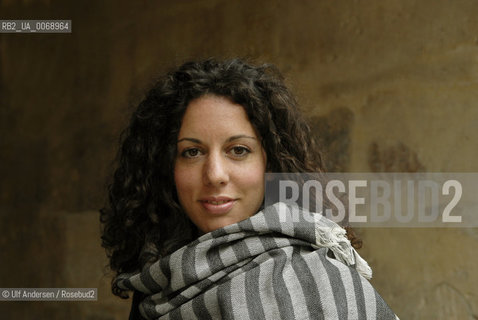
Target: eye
[191, 153]
[239, 151]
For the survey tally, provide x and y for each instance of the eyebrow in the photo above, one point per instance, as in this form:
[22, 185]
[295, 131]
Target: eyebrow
[239, 136]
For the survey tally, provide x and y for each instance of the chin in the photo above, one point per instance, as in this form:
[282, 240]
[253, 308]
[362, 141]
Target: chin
[214, 225]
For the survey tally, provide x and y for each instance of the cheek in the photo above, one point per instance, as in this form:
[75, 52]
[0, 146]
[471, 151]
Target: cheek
[252, 185]
[253, 179]
[183, 182]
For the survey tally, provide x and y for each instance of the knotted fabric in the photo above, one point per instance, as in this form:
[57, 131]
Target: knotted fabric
[281, 263]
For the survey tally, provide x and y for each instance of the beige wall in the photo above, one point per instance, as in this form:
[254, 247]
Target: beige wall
[389, 85]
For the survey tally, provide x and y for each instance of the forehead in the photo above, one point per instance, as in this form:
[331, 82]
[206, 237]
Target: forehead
[214, 115]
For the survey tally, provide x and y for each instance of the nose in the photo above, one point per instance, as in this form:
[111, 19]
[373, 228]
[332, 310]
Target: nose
[215, 170]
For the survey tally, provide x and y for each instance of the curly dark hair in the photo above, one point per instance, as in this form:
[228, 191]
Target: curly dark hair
[143, 219]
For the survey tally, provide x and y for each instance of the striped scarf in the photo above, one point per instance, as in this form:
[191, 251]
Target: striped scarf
[282, 263]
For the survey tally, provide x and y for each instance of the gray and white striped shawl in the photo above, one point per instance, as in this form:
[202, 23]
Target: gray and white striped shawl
[282, 263]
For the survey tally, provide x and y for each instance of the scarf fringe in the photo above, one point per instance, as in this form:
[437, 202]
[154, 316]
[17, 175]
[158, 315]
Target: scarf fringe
[330, 235]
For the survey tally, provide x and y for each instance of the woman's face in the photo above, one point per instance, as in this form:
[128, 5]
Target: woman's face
[220, 164]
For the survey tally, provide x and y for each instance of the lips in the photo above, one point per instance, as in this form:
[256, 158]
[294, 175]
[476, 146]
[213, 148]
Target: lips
[217, 205]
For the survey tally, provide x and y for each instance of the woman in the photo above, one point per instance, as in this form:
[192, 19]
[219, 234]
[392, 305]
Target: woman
[185, 227]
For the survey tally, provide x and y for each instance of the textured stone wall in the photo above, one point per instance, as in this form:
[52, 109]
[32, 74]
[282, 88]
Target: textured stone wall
[389, 85]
